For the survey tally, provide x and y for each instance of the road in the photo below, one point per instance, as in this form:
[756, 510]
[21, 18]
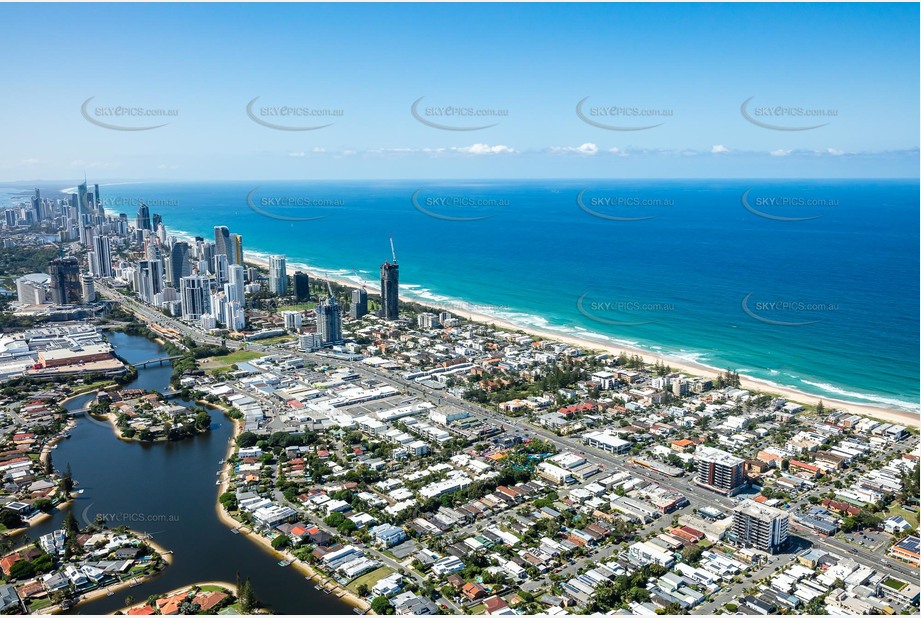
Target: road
[600, 458]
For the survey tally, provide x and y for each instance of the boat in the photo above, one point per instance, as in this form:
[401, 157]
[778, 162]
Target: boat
[54, 447]
[235, 530]
[218, 473]
[220, 462]
[80, 491]
[217, 482]
[284, 563]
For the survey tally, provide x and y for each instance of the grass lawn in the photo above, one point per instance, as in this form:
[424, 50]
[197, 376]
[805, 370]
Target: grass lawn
[231, 610]
[213, 589]
[83, 388]
[240, 356]
[479, 608]
[37, 604]
[275, 340]
[912, 518]
[895, 584]
[299, 307]
[369, 579]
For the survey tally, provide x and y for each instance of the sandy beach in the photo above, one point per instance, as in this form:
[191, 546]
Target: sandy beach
[265, 543]
[46, 448]
[231, 587]
[901, 417]
[114, 588]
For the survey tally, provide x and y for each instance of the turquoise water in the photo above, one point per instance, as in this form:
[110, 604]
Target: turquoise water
[827, 270]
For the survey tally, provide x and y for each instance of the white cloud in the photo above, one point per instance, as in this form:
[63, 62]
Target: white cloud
[587, 148]
[718, 149]
[485, 149]
[30, 161]
[780, 152]
[836, 152]
[299, 153]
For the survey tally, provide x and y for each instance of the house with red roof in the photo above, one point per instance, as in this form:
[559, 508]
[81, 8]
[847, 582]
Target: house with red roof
[494, 605]
[169, 606]
[803, 467]
[209, 600]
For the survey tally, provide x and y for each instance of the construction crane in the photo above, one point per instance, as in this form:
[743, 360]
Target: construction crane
[392, 250]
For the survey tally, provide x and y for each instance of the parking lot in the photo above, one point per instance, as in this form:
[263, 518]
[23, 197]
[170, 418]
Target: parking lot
[870, 539]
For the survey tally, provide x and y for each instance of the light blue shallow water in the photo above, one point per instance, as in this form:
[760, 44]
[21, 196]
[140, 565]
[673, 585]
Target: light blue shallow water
[558, 255]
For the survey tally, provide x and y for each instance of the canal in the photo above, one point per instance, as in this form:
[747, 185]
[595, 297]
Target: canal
[169, 491]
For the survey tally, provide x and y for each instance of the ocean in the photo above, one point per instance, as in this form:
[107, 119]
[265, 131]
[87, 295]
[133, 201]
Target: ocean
[807, 284]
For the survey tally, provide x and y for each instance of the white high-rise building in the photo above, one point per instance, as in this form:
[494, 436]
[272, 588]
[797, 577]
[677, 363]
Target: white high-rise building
[278, 275]
[234, 316]
[218, 301]
[220, 268]
[194, 294]
[148, 279]
[33, 289]
[101, 262]
[427, 320]
[760, 526]
[310, 342]
[293, 319]
[235, 286]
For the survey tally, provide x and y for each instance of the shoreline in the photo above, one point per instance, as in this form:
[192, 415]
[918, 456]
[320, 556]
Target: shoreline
[902, 417]
[166, 556]
[349, 597]
[231, 587]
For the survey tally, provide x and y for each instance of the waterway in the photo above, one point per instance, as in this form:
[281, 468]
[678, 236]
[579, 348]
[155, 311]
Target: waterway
[169, 491]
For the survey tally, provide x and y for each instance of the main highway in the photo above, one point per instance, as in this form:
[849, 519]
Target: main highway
[600, 458]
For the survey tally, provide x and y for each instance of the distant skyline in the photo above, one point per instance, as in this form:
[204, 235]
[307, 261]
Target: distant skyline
[218, 69]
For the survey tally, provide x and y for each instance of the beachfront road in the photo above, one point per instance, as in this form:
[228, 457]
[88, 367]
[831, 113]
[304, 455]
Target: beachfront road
[873, 558]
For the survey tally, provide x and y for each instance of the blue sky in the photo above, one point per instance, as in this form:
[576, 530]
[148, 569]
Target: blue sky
[691, 64]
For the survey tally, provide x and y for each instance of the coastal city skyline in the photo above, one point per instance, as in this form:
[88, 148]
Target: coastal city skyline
[219, 286]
